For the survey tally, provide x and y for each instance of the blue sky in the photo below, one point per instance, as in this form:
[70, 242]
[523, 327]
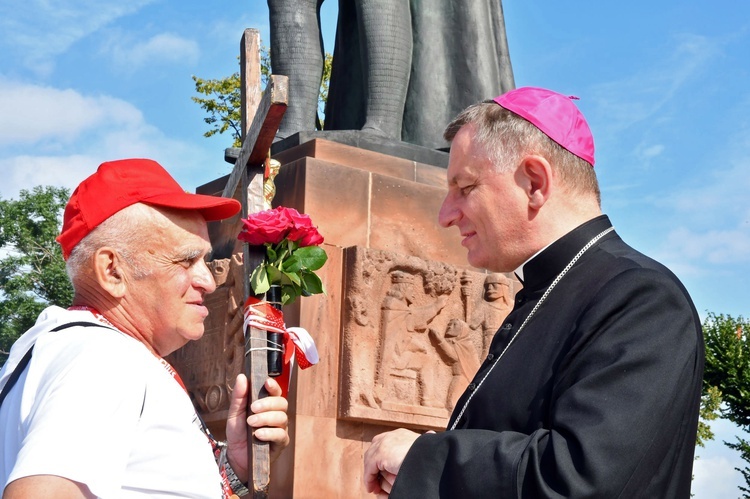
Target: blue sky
[664, 86]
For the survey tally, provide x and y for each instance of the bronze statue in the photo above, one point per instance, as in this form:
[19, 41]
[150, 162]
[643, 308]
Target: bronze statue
[401, 68]
[297, 52]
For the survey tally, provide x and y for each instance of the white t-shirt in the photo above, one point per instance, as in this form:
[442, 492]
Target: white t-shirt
[97, 407]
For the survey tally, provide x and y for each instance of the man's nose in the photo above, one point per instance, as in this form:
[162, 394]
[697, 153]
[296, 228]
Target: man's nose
[204, 278]
[447, 215]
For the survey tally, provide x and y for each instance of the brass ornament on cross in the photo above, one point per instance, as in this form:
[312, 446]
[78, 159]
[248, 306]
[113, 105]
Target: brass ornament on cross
[269, 188]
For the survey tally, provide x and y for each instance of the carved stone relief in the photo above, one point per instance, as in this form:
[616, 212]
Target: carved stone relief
[414, 334]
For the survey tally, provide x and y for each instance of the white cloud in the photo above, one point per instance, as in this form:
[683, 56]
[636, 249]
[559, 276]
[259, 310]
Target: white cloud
[714, 470]
[723, 247]
[162, 48]
[39, 30]
[645, 93]
[190, 165]
[709, 226]
[711, 216]
[35, 114]
[71, 133]
[714, 477]
[717, 194]
[646, 153]
[27, 171]
[705, 212]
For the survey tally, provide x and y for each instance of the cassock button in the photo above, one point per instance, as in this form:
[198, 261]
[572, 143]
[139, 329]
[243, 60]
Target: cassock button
[472, 387]
[519, 299]
[490, 356]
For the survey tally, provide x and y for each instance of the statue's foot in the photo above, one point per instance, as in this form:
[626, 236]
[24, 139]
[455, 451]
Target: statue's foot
[379, 132]
[374, 131]
[281, 135]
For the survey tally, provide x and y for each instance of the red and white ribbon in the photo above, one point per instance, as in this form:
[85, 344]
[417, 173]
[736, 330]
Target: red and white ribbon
[297, 341]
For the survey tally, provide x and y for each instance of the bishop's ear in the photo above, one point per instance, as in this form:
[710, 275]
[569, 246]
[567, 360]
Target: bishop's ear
[536, 175]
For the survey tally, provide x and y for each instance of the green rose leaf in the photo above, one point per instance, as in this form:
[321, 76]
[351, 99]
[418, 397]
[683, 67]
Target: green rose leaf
[274, 274]
[311, 257]
[259, 280]
[311, 283]
[271, 253]
[289, 294]
[294, 277]
[292, 264]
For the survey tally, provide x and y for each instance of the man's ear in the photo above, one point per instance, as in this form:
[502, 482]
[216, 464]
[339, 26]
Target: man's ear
[108, 271]
[536, 177]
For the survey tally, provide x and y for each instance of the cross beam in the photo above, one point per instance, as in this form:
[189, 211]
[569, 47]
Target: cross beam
[247, 177]
[262, 130]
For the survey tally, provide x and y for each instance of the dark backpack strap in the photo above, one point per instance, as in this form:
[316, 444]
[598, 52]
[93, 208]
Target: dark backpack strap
[26, 358]
[16, 374]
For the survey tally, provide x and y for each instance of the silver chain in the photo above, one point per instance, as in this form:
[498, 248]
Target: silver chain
[528, 317]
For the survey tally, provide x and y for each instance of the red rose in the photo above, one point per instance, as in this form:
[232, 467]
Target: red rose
[269, 226]
[302, 229]
[311, 237]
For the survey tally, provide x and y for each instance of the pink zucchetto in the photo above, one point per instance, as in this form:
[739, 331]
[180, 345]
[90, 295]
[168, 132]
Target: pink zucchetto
[554, 114]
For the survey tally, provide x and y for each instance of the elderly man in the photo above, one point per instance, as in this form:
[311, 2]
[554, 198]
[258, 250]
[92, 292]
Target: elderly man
[592, 386]
[96, 411]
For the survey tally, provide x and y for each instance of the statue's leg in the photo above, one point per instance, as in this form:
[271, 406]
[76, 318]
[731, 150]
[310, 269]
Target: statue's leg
[297, 52]
[387, 47]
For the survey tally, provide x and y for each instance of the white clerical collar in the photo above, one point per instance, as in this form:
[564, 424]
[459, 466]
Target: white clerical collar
[519, 270]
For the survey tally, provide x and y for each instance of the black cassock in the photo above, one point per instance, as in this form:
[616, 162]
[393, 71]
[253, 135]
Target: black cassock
[597, 396]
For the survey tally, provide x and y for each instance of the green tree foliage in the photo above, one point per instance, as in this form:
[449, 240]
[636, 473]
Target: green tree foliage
[710, 404]
[223, 98]
[222, 105]
[743, 446]
[728, 370]
[32, 270]
[324, 84]
[728, 364]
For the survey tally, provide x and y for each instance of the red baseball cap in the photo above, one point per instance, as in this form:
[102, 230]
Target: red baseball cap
[119, 184]
[555, 115]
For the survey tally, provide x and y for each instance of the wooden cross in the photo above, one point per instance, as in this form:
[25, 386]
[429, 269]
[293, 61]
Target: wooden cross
[261, 116]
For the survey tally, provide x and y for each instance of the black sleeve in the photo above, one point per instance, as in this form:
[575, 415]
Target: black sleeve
[623, 412]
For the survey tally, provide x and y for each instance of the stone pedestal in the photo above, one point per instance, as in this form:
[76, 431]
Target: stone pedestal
[402, 328]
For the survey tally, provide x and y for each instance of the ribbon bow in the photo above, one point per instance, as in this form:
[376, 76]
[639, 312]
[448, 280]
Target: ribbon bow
[297, 341]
